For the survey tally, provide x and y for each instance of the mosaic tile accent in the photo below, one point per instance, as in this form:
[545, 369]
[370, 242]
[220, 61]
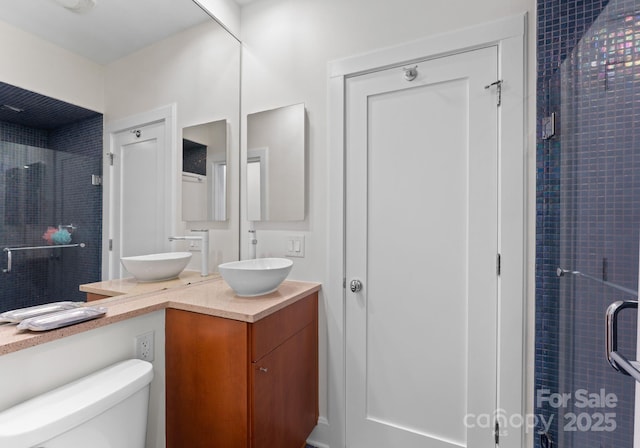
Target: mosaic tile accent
[23, 135]
[587, 208]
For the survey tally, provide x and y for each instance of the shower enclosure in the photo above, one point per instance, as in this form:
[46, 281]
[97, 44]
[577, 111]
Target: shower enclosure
[588, 218]
[50, 201]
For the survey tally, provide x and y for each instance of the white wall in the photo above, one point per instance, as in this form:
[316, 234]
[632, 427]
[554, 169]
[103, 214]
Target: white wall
[34, 64]
[36, 370]
[287, 46]
[198, 70]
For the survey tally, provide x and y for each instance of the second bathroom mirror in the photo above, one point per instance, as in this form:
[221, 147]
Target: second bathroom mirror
[205, 156]
[276, 164]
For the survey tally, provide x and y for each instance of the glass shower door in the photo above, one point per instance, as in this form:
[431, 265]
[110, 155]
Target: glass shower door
[590, 223]
[49, 234]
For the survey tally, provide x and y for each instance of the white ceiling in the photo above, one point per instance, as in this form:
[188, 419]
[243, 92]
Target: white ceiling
[112, 29]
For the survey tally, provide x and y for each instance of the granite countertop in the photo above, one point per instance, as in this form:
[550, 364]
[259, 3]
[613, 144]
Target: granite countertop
[210, 296]
[130, 285]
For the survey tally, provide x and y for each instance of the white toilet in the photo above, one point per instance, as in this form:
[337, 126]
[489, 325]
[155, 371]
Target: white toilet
[107, 409]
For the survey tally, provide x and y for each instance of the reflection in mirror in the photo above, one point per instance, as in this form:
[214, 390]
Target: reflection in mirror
[122, 66]
[204, 172]
[276, 164]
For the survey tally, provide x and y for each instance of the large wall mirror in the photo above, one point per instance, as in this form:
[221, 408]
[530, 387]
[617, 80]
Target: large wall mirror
[276, 164]
[122, 59]
[205, 162]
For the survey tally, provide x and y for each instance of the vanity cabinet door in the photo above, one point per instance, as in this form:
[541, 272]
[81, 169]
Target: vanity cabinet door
[207, 375]
[285, 393]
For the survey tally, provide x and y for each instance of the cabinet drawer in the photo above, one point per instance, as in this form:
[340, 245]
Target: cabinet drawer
[273, 330]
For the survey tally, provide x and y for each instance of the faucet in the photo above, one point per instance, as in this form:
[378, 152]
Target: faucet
[204, 250]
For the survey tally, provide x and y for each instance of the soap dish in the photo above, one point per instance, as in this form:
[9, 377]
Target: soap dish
[15, 316]
[62, 318]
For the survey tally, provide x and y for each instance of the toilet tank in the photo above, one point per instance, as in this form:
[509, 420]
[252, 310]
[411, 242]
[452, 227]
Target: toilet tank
[107, 409]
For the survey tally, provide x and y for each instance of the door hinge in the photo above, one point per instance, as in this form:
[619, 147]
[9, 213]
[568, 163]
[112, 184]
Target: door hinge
[549, 126]
[498, 85]
[96, 180]
[496, 433]
[498, 264]
[110, 244]
[110, 155]
[344, 283]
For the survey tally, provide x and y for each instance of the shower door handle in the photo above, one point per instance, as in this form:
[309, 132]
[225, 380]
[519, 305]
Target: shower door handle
[9, 256]
[617, 360]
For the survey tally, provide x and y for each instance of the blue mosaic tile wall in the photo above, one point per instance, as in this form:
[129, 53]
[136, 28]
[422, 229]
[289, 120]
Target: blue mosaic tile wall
[587, 213]
[55, 189]
[23, 135]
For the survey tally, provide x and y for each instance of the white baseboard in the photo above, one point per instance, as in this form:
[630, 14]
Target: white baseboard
[320, 435]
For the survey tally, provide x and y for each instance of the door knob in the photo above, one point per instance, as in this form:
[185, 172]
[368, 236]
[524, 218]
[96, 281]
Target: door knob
[355, 286]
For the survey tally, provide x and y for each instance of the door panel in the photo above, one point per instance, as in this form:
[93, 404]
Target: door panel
[421, 226]
[141, 193]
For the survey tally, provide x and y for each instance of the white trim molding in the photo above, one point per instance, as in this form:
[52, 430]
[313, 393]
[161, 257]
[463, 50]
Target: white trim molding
[509, 35]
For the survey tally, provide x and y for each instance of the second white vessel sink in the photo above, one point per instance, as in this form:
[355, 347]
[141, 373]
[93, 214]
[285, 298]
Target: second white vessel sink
[250, 278]
[156, 267]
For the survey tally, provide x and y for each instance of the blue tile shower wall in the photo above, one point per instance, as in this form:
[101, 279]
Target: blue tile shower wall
[67, 156]
[587, 212]
[23, 135]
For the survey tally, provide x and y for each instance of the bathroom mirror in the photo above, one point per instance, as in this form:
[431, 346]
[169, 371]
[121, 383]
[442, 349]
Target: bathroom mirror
[121, 61]
[276, 164]
[205, 163]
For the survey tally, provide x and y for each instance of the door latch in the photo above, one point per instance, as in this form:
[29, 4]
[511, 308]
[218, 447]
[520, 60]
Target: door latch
[498, 86]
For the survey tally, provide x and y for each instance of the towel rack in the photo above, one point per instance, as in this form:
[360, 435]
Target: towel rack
[9, 251]
[197, 177]
[617, 360]
[562, 272]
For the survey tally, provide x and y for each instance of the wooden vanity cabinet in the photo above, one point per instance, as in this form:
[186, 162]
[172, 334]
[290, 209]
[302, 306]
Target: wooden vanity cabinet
[236, 384]
[93, 296]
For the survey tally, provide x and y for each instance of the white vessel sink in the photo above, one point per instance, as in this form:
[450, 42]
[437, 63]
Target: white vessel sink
[156, 267]
[250, 278]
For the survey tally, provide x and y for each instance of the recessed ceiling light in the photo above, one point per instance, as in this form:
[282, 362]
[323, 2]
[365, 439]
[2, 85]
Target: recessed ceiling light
[77, 5]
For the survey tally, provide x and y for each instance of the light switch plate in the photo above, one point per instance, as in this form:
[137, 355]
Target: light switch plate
[294, 246]
[195, 245]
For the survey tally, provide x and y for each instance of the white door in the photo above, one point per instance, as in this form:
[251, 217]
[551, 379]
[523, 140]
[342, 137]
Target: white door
[422, 238]
[140, 194]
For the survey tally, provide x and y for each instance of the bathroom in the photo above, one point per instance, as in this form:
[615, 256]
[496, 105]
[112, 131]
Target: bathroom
[286, 49]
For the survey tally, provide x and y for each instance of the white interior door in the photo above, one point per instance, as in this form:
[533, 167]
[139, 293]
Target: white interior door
[140, 221]
[422, 238]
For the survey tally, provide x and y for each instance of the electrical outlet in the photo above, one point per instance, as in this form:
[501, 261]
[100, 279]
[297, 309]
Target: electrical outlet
[144, 346]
